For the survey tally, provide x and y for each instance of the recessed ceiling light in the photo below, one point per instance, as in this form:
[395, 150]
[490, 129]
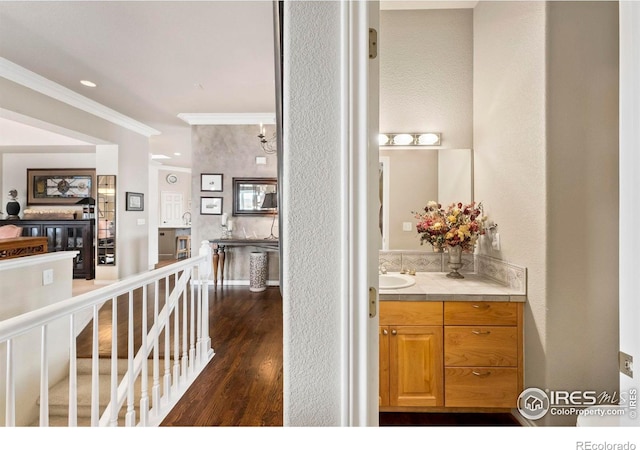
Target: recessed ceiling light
[177, 153]
[88, 83]
[160, 157]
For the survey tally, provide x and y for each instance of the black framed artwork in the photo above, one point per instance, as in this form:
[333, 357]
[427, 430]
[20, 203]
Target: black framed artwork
[211, 206]
[135, 201]
[211, 182]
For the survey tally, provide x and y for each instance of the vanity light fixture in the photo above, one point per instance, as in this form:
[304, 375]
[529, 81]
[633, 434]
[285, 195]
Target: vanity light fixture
[410, 139]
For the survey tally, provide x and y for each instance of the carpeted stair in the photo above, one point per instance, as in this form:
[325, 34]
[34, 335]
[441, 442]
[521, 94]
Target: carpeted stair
[59, 393]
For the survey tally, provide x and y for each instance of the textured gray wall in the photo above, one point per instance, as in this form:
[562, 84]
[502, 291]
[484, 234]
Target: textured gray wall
[230, 150]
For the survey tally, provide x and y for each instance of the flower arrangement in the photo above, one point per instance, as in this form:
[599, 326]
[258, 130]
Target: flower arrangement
[457, 225]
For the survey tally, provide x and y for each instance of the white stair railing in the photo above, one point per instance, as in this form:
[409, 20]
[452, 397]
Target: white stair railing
[185, 303]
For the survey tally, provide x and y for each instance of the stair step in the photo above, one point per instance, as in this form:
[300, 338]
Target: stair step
[84, 366]
[59, 395]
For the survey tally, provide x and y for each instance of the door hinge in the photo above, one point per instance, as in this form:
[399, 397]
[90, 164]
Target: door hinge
[626, 364]
[373, 300]
[373, 43]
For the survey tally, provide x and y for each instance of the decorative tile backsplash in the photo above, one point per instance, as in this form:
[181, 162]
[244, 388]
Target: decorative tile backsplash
[500, 271]
[503, 272]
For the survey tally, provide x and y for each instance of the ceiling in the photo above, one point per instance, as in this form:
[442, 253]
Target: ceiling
[151, 60]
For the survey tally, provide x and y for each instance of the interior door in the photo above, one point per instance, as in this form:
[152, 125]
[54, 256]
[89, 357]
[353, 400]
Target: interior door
[170, 208]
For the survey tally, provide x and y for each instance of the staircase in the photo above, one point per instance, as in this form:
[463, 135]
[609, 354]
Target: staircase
[170, 304]
[59, 393]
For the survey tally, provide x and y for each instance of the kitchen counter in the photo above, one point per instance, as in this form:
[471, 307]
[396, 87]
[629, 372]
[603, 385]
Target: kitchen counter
[435, 286]
[174, 227]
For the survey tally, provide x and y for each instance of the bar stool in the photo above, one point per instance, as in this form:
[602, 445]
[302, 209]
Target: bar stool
[183, 246]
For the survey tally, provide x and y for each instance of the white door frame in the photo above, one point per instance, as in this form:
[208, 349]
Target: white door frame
[360, 109]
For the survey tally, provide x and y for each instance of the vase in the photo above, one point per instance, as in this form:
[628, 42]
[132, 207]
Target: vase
[455, 261]
[13, 209]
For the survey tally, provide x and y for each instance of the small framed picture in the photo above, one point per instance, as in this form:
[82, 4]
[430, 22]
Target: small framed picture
[135, 201]
[211, 205]
[211, 182]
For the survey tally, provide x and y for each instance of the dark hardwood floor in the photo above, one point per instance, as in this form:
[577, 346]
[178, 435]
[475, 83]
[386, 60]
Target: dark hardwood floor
[242, 385]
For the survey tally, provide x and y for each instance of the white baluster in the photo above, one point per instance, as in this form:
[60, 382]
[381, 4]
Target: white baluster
[44, 378]
[192, 327]
[144, 394]
[95, 370]
[10, 395]
[113, 418]
[156, 351]
[176, 334]
[167, 345]
[130, 417]
[73, 374]
[185, 359]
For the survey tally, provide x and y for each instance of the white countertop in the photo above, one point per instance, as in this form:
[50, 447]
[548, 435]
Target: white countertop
[174, 227]
[436, 286]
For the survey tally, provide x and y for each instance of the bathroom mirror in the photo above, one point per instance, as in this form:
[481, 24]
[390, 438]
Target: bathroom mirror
[106, 220]
[250, 196]
[409, 179]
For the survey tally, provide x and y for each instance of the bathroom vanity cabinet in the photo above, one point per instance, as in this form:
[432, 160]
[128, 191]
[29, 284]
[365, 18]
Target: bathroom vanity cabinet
[411, 354]
[450, 354]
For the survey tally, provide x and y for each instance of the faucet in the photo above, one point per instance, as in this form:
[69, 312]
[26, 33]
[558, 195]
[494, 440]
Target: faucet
[186, 222]
[382, 269]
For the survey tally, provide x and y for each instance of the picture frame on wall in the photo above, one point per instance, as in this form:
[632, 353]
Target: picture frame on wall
[211, 206]
[135, 201]
[211, 182]
[60, 186]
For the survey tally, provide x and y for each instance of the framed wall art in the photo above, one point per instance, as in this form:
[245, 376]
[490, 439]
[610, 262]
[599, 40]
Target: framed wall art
[211, 205]
[135, 201]
[60, 186]
[211, 182]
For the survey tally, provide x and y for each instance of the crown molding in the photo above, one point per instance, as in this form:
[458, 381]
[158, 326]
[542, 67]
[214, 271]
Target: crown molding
[32, 80]
[228, 118]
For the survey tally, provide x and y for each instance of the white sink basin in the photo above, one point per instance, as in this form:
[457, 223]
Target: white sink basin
[396, 281]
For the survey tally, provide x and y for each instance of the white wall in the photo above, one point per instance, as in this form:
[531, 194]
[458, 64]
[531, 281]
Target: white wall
[509, 151]
[582, 196]
[629, 243]
[28, 294]
[426, 73]
[312, 277]
[545, 138]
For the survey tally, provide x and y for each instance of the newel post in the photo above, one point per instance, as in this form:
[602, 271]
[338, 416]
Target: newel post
[204, 271]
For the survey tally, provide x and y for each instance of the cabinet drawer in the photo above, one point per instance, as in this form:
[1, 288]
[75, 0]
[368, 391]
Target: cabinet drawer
[410, 313]
[480, 313]
[480, 346]
[487, 387]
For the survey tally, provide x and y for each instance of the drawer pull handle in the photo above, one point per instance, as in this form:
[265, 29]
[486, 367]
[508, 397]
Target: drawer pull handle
[482, 306]
[394, 332]
[385, 332]
[480, 374]
[478, 333]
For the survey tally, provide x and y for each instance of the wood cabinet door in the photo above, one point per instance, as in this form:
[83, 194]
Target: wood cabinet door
[383, 338]
[416, 368]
